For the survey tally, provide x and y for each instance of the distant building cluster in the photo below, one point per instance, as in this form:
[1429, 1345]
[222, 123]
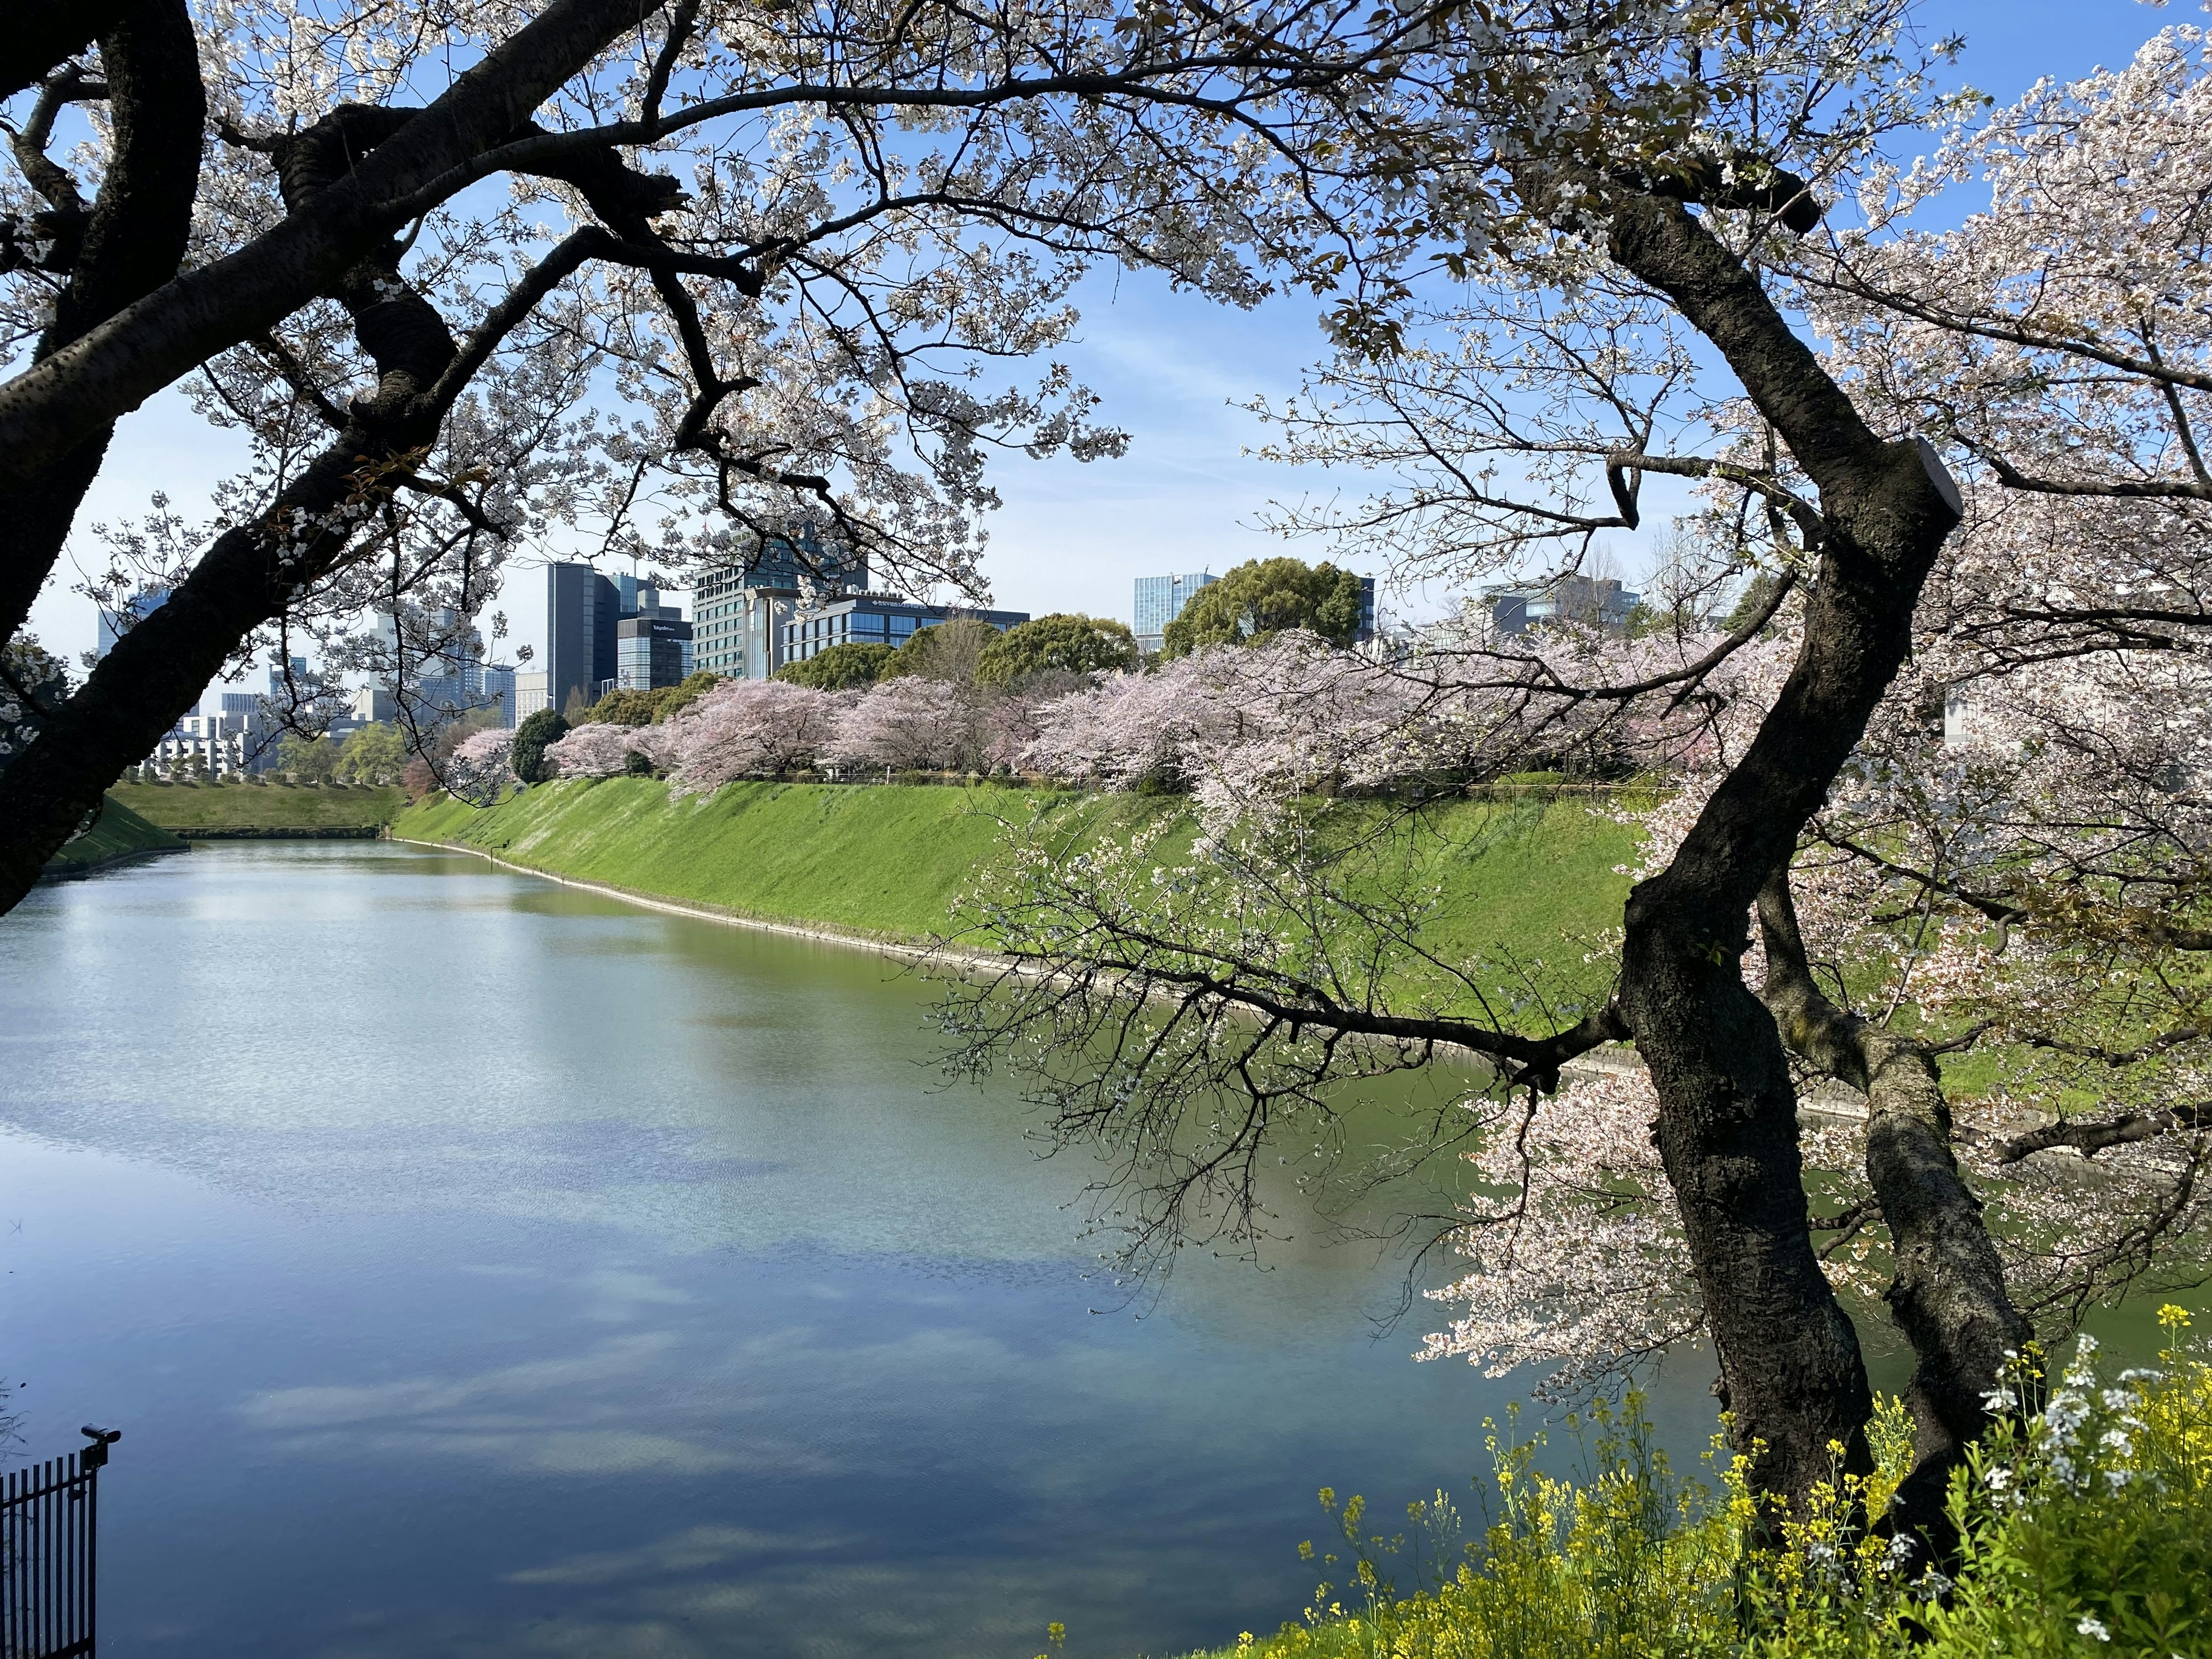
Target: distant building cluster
[1593, 603]
[437, 684]
[237, 736]
[241, 732]
[799, 596]
[754, 618]
[602, 633]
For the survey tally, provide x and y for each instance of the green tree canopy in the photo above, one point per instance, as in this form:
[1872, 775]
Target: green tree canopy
[1072, 644]
[546, 726]
[840, 668]
[309, 760]
[951, 650]
[374, 754]
[1263, 597]
[628, 707]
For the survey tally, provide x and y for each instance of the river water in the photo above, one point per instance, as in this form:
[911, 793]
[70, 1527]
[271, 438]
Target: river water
[477, 1266]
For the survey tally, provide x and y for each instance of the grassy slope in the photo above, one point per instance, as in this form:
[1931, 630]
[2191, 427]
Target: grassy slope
[118, 833]
[255, 806]
[891, 859]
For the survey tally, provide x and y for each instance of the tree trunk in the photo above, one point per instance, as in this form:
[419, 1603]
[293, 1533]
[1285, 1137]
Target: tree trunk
[134, 239]
[1728, 1128]
[51, 408]
[1791, 1374]
[1948, 1293]
[43, 34]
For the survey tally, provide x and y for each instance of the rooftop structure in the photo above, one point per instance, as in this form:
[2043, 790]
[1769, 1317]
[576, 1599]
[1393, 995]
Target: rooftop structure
[1570, 599]
[877, 619]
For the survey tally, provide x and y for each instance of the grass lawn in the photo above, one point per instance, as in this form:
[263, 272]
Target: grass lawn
[188, 807]
[1535, 880]
[119, 834]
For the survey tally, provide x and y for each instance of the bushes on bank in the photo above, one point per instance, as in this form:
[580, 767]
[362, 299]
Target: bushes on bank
[2088, 1531]
[532, 737]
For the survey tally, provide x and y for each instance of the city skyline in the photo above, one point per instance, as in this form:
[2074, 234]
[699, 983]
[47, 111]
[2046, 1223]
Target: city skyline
[1171, 370]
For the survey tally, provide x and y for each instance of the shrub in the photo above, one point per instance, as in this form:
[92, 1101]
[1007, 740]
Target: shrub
[530, 738]
[2087, 1530]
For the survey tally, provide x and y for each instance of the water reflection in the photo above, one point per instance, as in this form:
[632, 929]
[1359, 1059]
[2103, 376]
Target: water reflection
[477, 1267]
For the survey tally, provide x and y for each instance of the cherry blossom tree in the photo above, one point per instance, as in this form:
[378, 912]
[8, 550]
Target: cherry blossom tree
[1640, 323]
[469, 282]
[748, 729]
[478, 770]
[595, 750]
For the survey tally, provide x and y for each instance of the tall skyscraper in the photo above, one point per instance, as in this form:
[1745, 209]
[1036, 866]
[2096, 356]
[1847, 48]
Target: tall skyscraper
[603, 632]
[1160, 600]
[581, 610]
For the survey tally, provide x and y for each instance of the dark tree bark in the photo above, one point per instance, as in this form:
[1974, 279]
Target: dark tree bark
[133, 241]
[252, 574]
[41, 35]
[159, 668]
[55, 405]
[1728, 1122]
[1948, 1293]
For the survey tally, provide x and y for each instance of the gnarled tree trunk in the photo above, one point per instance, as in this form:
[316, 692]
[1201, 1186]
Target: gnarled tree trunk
[1948, 1293]
[132, 242]
[1726, 1129]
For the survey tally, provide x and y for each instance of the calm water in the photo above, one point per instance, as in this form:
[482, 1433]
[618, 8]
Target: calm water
[475, 1266]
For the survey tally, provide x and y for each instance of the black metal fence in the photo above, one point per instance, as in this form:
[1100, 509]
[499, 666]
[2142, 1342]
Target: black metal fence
[49, 1547]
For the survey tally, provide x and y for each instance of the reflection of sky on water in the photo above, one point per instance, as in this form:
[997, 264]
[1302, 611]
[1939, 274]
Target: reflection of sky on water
[479, 1267]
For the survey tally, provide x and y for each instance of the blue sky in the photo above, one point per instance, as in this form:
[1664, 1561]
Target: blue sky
[1171, 368]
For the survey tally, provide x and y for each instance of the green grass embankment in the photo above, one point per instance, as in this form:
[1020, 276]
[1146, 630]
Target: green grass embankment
[119, 836]
[213, 809]
[889, 860]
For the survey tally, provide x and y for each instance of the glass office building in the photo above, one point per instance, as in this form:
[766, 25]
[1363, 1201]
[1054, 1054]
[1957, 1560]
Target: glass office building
[741, 613]
[1160, 600]
[876, 619]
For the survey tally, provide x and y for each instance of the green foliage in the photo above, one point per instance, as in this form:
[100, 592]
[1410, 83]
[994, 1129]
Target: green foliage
[2087, 1530]
[1263, 597]
[307, 759]
[1062, 643]
[951, 650]
[840, 668]
[623, 707]
[373, 754]
[545, 727]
